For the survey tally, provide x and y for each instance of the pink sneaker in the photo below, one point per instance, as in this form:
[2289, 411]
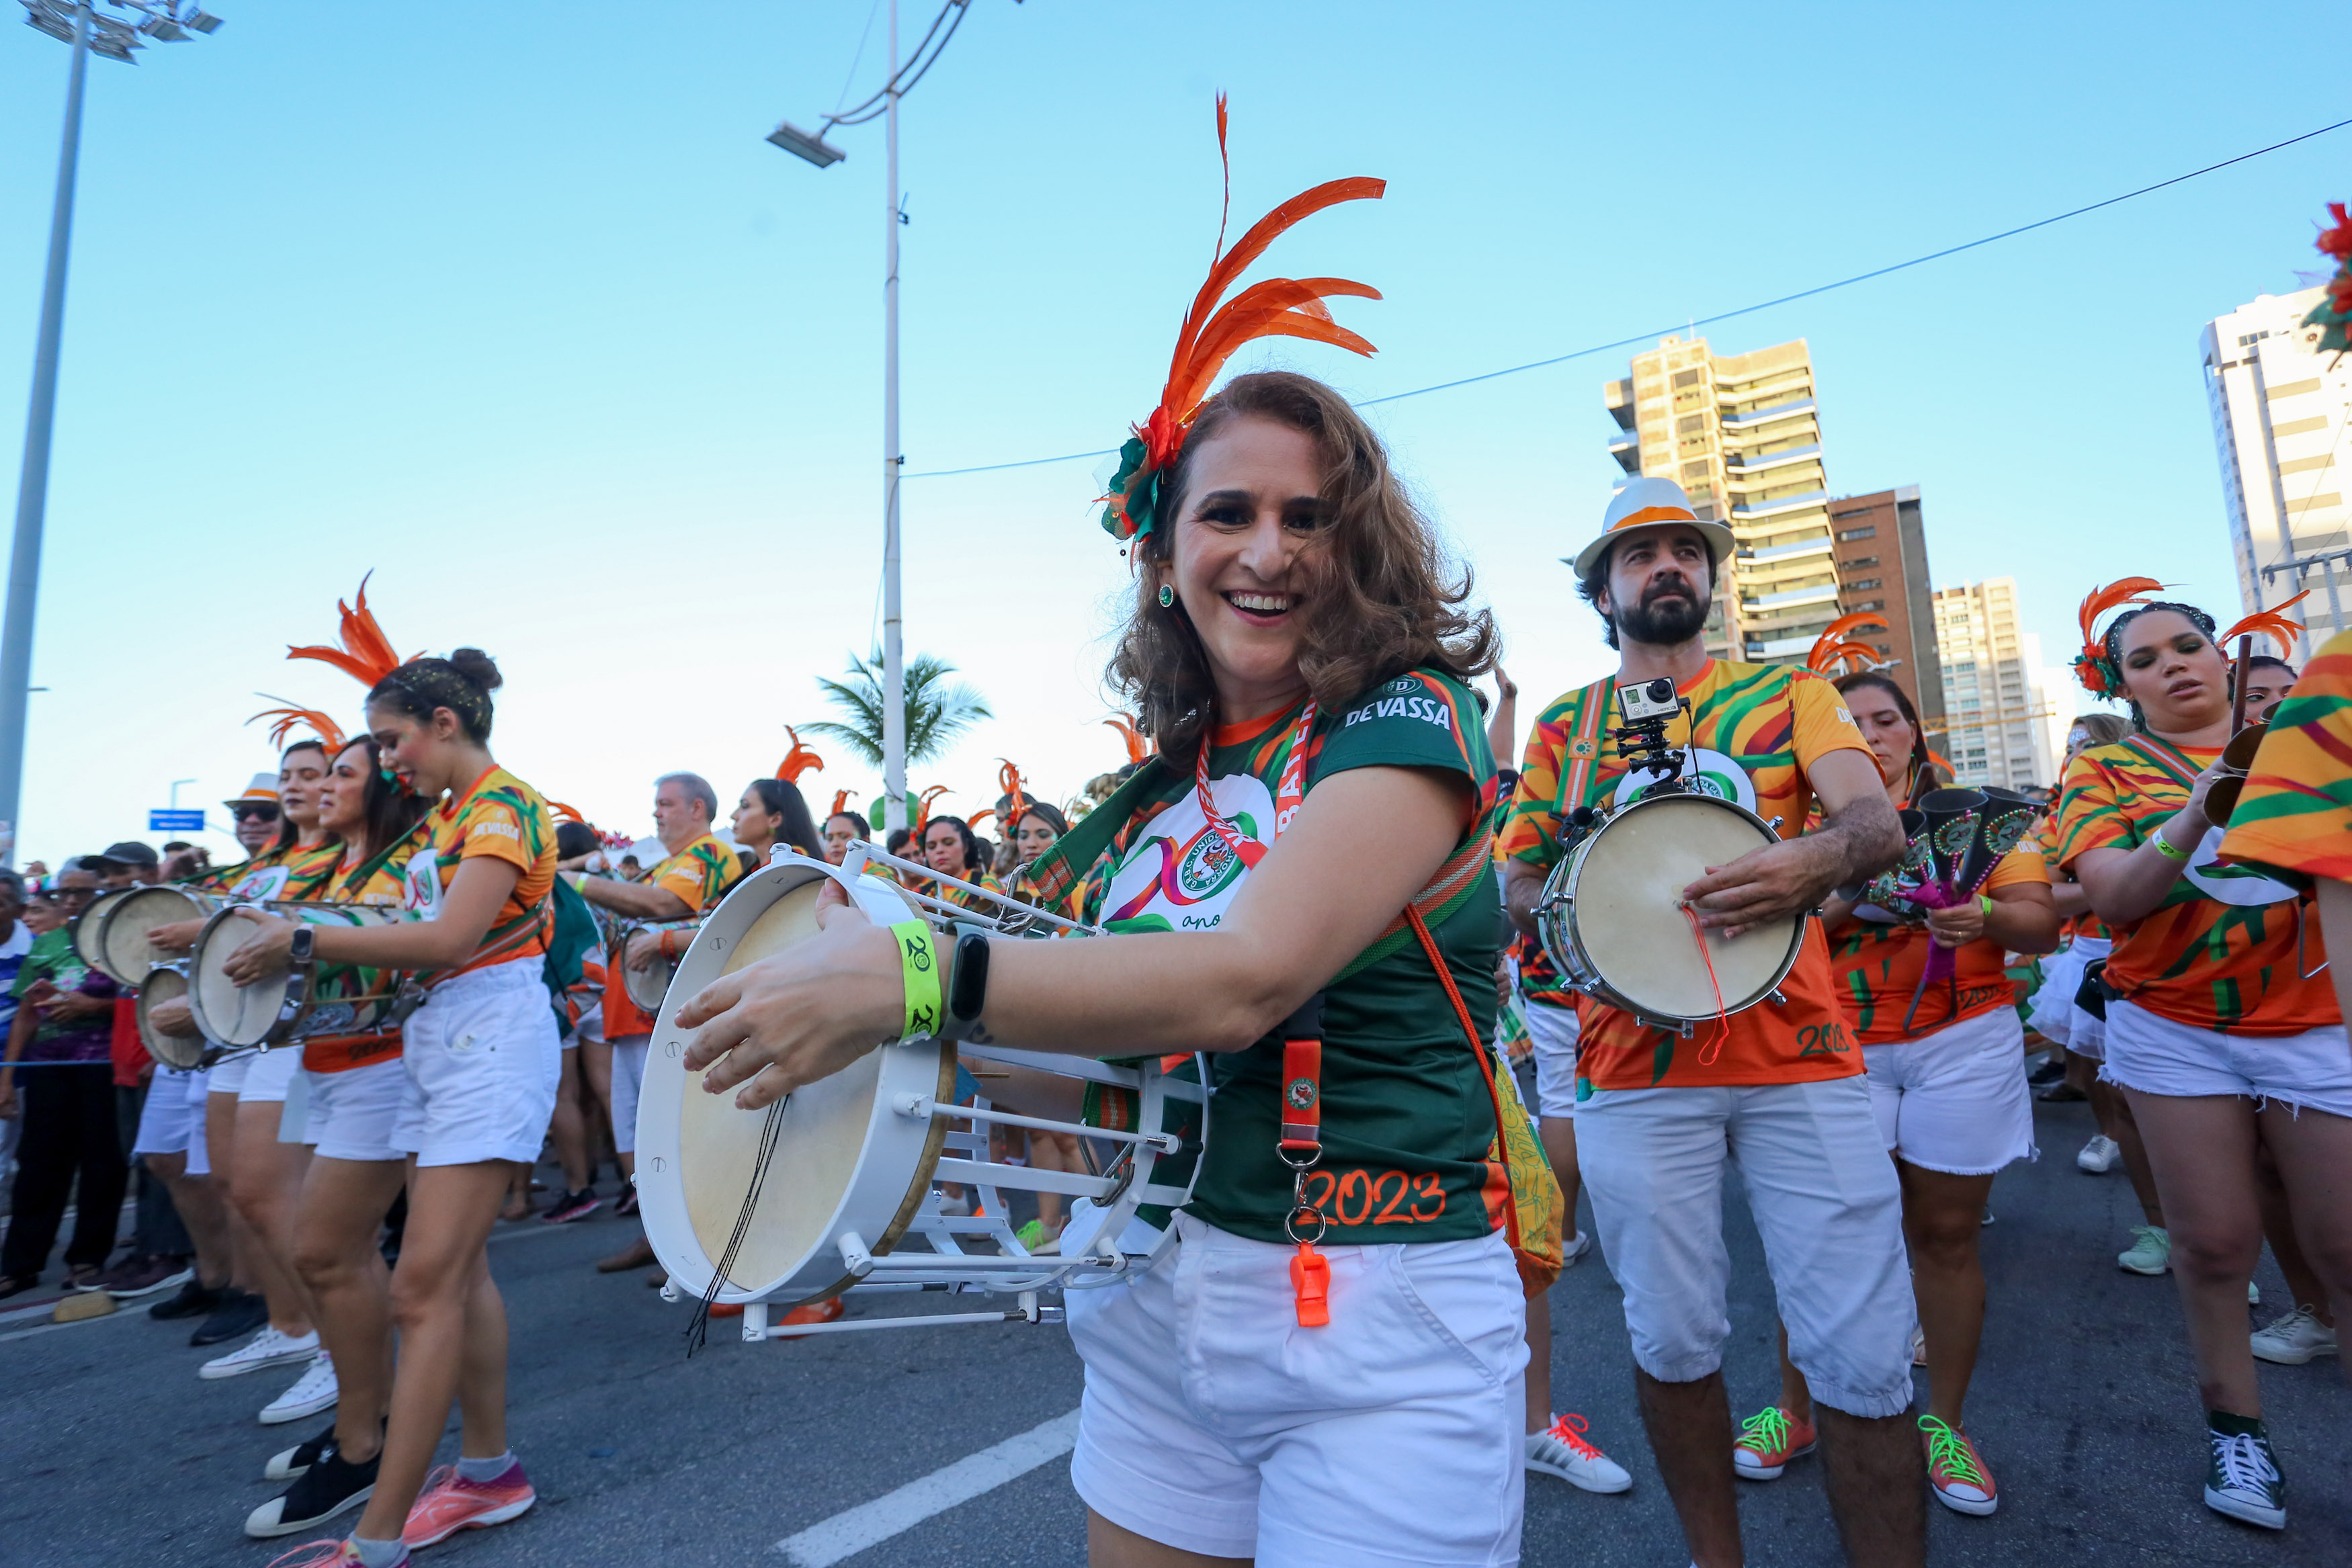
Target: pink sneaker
[320, 1554]
[450, 1503]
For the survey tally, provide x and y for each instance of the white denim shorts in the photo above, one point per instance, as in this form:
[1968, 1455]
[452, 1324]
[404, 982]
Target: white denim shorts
[2155, 1055]
[2055, 1016]
[269, 1075]
[227, 1076]
[481, 1060]
[1955, 1099]
[1826, 1202]
[1213, 1423]
[628, 1084]
[1554, 1031]
[352, 1113]
[171, 1120]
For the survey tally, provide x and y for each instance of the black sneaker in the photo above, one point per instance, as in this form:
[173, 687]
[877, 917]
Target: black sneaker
[628, 1202]
[320, 1492]
[290, 1463]
[2047, 1074]
[194, 1299]
[144, 1276]
[239, 1314]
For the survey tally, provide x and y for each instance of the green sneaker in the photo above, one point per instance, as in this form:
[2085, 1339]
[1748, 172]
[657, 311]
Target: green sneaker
[1034, 1237]
[2151, 1253]
[1768, 1441]
[1956, 1472]
[2241, 1479]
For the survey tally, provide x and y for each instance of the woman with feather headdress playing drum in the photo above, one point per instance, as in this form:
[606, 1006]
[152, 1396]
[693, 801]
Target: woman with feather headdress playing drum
[2218, 1017]
[1326, 1368]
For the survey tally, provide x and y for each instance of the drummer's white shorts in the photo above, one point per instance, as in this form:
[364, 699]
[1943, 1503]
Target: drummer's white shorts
[628, 1084]
[227, 1077]
[482, 1059]
[352, 1113]
[2055, 1016]
[172, 1121]
[1955, 1100]
[2155, 1055]
[1826, 1203]
[1213, 1423]
[269, 1075]
[1554, 1031]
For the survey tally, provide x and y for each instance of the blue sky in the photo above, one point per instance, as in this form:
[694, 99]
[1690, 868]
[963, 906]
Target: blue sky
[523, 314]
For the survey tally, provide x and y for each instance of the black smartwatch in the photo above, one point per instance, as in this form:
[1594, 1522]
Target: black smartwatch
[966, 987]
[304, 938]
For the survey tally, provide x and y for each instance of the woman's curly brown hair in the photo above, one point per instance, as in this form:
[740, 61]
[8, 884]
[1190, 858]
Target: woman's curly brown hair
[1380, 597]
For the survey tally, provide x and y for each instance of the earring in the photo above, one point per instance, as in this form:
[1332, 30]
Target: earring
[1167, 596]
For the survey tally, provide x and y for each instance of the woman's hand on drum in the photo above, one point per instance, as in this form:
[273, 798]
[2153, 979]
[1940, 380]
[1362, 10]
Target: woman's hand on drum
[174, 1017]
[1770, 883]
[176, 937]
[2194, 817]
[267, 954]
[644, 948]
[1956, 926]
[805, 1014]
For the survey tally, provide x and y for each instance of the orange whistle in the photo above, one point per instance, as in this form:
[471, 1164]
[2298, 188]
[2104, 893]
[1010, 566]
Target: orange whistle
[1310, 1277]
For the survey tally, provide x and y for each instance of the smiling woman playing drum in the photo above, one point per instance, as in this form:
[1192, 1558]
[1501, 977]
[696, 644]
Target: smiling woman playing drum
[2221, 1016]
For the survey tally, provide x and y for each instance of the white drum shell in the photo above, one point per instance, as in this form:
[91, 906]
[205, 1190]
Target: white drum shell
[124, 953]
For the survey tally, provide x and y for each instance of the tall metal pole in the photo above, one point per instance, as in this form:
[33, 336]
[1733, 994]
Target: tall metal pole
[894, 668]
[33, 487]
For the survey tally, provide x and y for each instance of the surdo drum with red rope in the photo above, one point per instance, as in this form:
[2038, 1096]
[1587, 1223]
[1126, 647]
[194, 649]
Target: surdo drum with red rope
[1611, 916]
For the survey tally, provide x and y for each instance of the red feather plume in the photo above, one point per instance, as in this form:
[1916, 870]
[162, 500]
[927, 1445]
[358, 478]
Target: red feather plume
[366, 654]
[923, 806]
[2090, 665]
[1855, 621]
[287, 717]
[1008, 779]
[1136, 750]
[564, 814]
[800, 760]
[840, 804]
[2272, 622]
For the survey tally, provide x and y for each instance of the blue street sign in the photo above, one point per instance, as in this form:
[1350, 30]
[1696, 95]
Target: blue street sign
[165, 820]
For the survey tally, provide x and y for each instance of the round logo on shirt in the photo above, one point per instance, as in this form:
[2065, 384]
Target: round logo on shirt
[2232, 885]
[1710, 772]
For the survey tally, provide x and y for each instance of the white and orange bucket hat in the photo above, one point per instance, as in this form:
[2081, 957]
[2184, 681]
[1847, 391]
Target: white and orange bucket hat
[1645, 504]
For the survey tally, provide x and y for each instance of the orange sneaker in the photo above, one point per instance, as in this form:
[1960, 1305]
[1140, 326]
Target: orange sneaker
[823, 1312]
[1768, 1441]
[450, 1503]
[1955, 1470]
[322, 1554]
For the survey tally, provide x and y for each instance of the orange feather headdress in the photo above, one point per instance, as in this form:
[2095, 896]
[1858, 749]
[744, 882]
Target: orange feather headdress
[923, 808]
[1136, 750]
[1008, 779]
[564, 814]
[1276, 306]
[287, 717]
[1833, 653]
[2093, 667]
[2272, 622]
[366, 654]
[840, 804]
[800, 760]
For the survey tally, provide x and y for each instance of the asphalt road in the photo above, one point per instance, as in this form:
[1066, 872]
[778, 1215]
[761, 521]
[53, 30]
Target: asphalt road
[116, 1455]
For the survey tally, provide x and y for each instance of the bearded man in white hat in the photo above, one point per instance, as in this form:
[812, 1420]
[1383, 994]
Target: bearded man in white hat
[1775, 1087]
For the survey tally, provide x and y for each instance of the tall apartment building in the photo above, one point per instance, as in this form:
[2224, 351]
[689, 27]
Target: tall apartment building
[1880, 548]
[1995, 704]
[1741, 435]
[2279, 416]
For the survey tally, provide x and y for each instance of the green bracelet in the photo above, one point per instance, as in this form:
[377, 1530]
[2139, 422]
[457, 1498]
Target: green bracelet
[921, 969]
[1984, 902]
[2164, 847]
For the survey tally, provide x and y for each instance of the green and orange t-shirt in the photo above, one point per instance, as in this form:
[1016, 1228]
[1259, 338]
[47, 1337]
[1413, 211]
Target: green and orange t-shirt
[1752, 731]
[2295, 812]
[378, 882]
[1880, 968]
[698, 876]
[278, 874]
[499, 816]
[2229, 947]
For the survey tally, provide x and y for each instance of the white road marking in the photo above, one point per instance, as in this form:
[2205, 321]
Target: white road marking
[848, 1533]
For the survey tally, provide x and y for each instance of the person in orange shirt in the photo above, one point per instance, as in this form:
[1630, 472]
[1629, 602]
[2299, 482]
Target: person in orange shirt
[1947, 1072]
[1778, 1087]
[482, 1060]
[2220, 1015]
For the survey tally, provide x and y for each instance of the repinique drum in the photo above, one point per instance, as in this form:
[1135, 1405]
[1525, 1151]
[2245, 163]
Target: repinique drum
[823, 1191]
[169, 983]
[648, 986]
[298, 1001]
[1612, 919]
[118, 945]
[90, 928]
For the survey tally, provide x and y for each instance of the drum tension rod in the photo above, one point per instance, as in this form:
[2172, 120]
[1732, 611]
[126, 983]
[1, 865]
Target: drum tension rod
[923, 1106]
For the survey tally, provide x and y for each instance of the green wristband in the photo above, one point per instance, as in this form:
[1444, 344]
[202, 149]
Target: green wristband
[2164, 847]
[921, 967]
[1984, 902]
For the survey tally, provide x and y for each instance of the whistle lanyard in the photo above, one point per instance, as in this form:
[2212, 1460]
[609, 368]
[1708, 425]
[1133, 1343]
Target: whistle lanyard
[1300, 1145]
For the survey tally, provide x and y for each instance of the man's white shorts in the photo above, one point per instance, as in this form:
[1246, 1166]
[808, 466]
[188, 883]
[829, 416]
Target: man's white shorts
[1826, 1203]
[1955, 1100]
[1554, 1032]
[269, 1075]
[482, 1059]
[628, 1084]
[2055, 1016]
[1213, 1423]
[171, 1122]
[353, 1111]
[2152, 1054]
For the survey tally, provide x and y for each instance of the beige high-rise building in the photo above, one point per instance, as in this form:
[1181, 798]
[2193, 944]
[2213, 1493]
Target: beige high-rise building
[1995, 704]
[1740, 433]
[2280, 416]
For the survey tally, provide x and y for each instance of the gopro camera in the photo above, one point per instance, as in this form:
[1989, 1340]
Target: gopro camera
[1649, 700]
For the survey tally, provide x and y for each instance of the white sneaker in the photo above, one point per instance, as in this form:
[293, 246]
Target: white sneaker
[2295, 1339]
[266, 1349]
[2253, 1294]
[312, 1392]
[1563, 1451]
[2150, 1252]
[1574, 1253]
[2099, 1155]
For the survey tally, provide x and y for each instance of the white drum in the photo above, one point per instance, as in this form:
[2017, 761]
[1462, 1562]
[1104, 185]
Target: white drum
[826, 1190]
[302, 1000]
[1612, 919]
[117, 941]
[647, 987]
[186, 1051]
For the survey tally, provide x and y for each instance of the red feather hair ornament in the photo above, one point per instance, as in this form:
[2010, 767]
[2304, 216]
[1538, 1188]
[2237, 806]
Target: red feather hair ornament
[1833, 653]
[923, 806]
[1008, 779]
[1211, 335]
[564, 814]
[840, 804]
[1136, 750]
[2092, 668]
[2272, 622]
[800, 760]
[287, 717]
[366, 654]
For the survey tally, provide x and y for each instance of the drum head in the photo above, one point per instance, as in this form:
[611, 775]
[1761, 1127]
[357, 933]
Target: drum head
[88, 932]
[646, 986]
[125, 953]
[1630, 922]
[232, 1014]
[184, 1052]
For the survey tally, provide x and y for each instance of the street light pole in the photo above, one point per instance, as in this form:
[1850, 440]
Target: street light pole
[33, 486]
[894, 662]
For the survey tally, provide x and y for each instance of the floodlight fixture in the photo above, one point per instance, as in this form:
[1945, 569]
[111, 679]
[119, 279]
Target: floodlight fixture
[801, 144]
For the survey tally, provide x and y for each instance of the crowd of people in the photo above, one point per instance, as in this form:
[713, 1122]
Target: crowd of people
[1345, 1354]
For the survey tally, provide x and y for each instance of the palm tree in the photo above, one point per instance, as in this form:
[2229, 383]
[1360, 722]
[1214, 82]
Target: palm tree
[937, 709]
